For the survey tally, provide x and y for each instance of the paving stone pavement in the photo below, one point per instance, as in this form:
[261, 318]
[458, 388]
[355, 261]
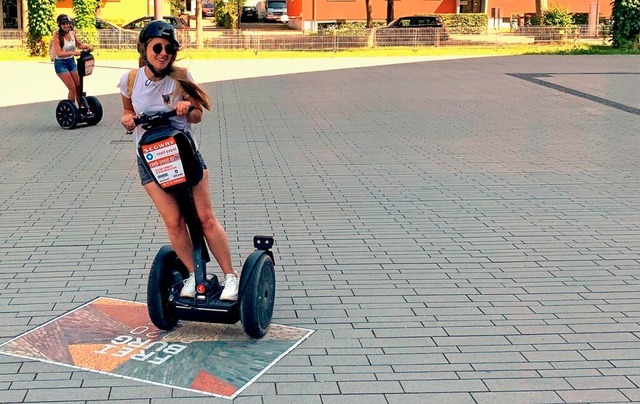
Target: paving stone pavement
[456, 231]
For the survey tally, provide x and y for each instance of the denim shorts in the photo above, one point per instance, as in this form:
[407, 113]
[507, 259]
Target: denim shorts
[145, 174]
[65, 65]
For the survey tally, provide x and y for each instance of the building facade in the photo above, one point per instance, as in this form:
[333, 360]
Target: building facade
[306, 15]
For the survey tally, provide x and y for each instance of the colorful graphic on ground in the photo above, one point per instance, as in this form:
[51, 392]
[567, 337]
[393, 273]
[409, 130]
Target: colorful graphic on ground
[117, 337]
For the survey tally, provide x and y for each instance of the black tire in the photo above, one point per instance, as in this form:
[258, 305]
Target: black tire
[256, 306]
[96, 108]
[67, 114]
[166, 270]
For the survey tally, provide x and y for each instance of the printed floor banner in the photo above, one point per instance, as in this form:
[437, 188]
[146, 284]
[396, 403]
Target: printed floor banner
[117, 337]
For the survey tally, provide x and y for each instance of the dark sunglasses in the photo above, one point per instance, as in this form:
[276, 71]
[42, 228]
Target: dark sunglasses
[169, 49]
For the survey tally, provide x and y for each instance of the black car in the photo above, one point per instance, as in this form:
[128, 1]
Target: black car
[111, 36]
[414, 30]
[177, 22]
[249, 14]
[417, 21]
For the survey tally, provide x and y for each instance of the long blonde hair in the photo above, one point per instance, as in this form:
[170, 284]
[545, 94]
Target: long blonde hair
[181, 76]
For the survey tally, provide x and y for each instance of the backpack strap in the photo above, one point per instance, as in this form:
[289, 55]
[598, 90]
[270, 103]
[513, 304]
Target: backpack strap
[131, 80]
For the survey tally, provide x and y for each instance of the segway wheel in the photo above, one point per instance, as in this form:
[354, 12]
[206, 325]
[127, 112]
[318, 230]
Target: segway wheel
[96, 109]
[256, 306]
[67, 114]
[166, 270]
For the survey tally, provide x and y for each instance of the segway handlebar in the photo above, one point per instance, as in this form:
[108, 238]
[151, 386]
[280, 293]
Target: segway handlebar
[156, 119]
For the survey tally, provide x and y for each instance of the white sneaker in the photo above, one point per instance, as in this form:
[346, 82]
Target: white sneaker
[189, 287]
[230, 291]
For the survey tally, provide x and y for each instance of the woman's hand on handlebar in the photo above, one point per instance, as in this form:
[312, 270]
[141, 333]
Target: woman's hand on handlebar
[183, 108]
[128, 122]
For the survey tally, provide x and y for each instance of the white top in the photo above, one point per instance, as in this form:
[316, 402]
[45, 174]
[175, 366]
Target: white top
[68, 46]
[147, 97]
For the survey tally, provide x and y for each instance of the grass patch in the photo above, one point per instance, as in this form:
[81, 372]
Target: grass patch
[213, 54]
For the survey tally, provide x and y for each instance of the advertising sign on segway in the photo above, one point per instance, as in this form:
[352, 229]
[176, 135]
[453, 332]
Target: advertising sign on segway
[163, 158]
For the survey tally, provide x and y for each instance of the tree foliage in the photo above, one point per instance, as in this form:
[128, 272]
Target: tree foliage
[176, 7]
[557, 16]
[41, 25]
[625, 31]
[227, 13]
[85, 21]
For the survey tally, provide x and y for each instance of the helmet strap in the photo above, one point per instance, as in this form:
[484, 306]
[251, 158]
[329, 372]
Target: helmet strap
[158, 74]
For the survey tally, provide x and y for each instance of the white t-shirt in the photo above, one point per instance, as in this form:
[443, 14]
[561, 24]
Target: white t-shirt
[68, 45]
[147, 97]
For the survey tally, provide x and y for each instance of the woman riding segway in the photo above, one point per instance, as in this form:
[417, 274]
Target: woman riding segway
[159, 85]
[65, 47]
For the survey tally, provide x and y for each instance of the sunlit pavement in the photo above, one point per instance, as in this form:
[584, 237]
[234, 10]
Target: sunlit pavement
[36, 81]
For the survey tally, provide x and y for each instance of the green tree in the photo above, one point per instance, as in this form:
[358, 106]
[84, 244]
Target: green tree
[625, 31]
[177, 7]
[557, 16]
[227, 13]
[85, 22]
[41, 25]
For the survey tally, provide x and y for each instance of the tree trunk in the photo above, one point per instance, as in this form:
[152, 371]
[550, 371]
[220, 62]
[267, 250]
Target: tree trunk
[367, 4]
[390, 17]
[199, 41]
[541, 6]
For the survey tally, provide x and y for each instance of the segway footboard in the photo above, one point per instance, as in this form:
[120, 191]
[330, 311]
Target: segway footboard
[214, 311]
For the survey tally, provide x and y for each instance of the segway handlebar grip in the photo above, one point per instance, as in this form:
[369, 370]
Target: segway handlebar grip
[156, 118]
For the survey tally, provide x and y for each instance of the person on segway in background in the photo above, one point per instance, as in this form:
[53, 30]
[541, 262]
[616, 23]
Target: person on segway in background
[159, 85]
[65, 47]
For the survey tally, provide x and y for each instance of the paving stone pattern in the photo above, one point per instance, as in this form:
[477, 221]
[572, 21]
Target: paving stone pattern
[453, 232]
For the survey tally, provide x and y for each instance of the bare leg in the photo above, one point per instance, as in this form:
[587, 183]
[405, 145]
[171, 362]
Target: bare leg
[68, 81]
[76, 82]
[214, 233]
[174, 221]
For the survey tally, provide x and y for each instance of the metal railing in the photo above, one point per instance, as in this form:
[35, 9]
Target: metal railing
[336, 40]
[11, 38]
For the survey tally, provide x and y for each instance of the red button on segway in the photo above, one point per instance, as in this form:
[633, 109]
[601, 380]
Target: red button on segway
[200, 288]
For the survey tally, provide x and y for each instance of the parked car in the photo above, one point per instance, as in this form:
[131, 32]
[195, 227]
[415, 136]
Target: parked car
[417, 21]
[413, 31]
[111, 36]
[208, 10]
[276, 11]
[138, 24]
[249, 14]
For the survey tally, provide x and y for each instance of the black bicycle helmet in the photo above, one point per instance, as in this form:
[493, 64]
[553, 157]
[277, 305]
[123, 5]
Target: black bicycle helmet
[158, 29]
[62, 18]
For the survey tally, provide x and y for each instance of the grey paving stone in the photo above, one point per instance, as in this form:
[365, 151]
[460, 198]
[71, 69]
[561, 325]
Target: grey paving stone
[518, 397]
[67, 395]
[12, 396]
[286, 388]
[354, 399]
[593, 396]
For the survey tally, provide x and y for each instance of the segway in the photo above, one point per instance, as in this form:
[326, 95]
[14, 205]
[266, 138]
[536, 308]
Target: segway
[67, 114]
[169, 155]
